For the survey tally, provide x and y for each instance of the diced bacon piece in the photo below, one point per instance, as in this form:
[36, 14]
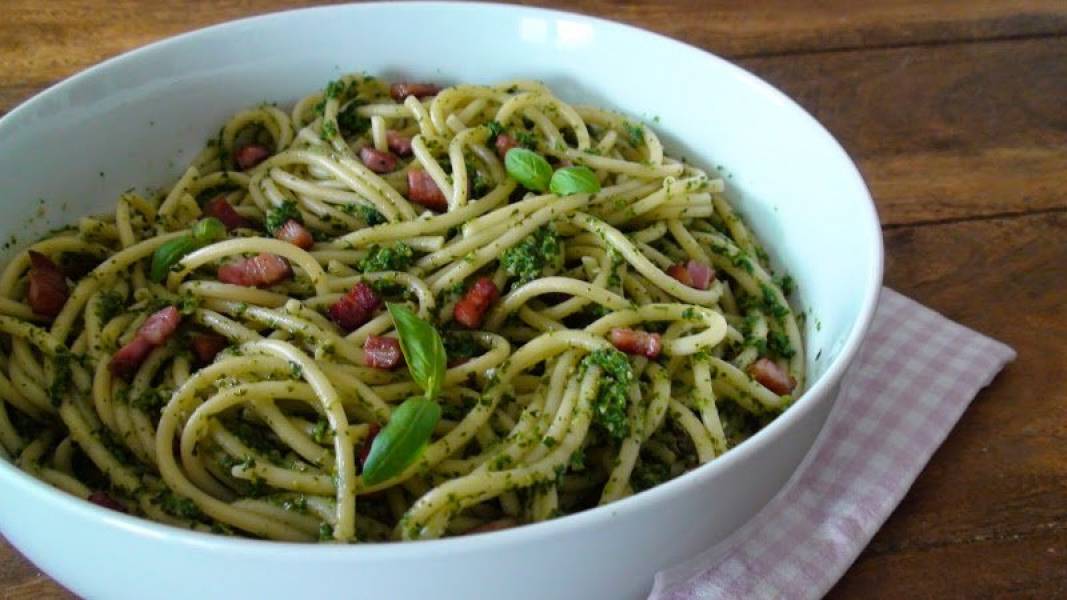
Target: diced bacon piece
[470, 310]
[771, 376]
[364, 449]
[382, 352]
[635, 341]
[399, 143]
[401, 90]
[355, 308]
[222, 210]
[497, 525]
[505, 142]
[207, 345]
[679, 272]
[376, 160]
[296, 234]
[124, 363]
[422, 189]
[262, 270]
[250, 155]
[154, 332]
[48, 289]
[701, 274]
[694, 274]
[104, 499]
[160, 325]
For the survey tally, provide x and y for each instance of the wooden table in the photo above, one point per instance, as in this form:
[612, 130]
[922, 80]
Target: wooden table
[957, 116]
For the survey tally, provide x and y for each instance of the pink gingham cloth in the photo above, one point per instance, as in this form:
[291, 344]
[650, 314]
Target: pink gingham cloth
[911, 381]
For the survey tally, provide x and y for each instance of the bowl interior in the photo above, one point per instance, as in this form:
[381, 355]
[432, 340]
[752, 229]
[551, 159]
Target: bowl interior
[137, 120]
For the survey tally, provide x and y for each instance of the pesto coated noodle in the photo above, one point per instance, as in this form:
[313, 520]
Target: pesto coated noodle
[599, 342]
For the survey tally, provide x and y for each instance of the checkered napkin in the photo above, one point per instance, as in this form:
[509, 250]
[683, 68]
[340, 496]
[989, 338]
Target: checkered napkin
[911, 381]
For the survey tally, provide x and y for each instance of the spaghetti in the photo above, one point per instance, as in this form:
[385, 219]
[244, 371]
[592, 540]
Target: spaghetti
[599, 341]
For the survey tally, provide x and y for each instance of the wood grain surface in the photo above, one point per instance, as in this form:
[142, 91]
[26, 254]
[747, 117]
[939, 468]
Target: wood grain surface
[955, 111]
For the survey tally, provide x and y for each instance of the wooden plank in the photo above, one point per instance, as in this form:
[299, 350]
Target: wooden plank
[988, 515]
[19, 579]
[748, 28]
[1022, 567]
[38, 588]
[942, 132]
[13, 95]
[70, 35]
[45, 42]
[936, 186]
[960, 97]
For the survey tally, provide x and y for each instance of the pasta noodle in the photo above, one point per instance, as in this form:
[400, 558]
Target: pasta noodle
[542, 414]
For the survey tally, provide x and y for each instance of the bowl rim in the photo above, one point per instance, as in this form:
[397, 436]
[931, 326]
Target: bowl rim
[593, 517]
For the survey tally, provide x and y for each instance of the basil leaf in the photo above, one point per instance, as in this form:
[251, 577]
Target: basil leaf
[203, 233]
[208, 230]
[168, 255]
[574, 180]
[422, 347]
[402, 439]
[528, 168]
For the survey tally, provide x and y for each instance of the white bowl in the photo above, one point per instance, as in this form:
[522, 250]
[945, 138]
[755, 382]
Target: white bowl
[136, 119]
